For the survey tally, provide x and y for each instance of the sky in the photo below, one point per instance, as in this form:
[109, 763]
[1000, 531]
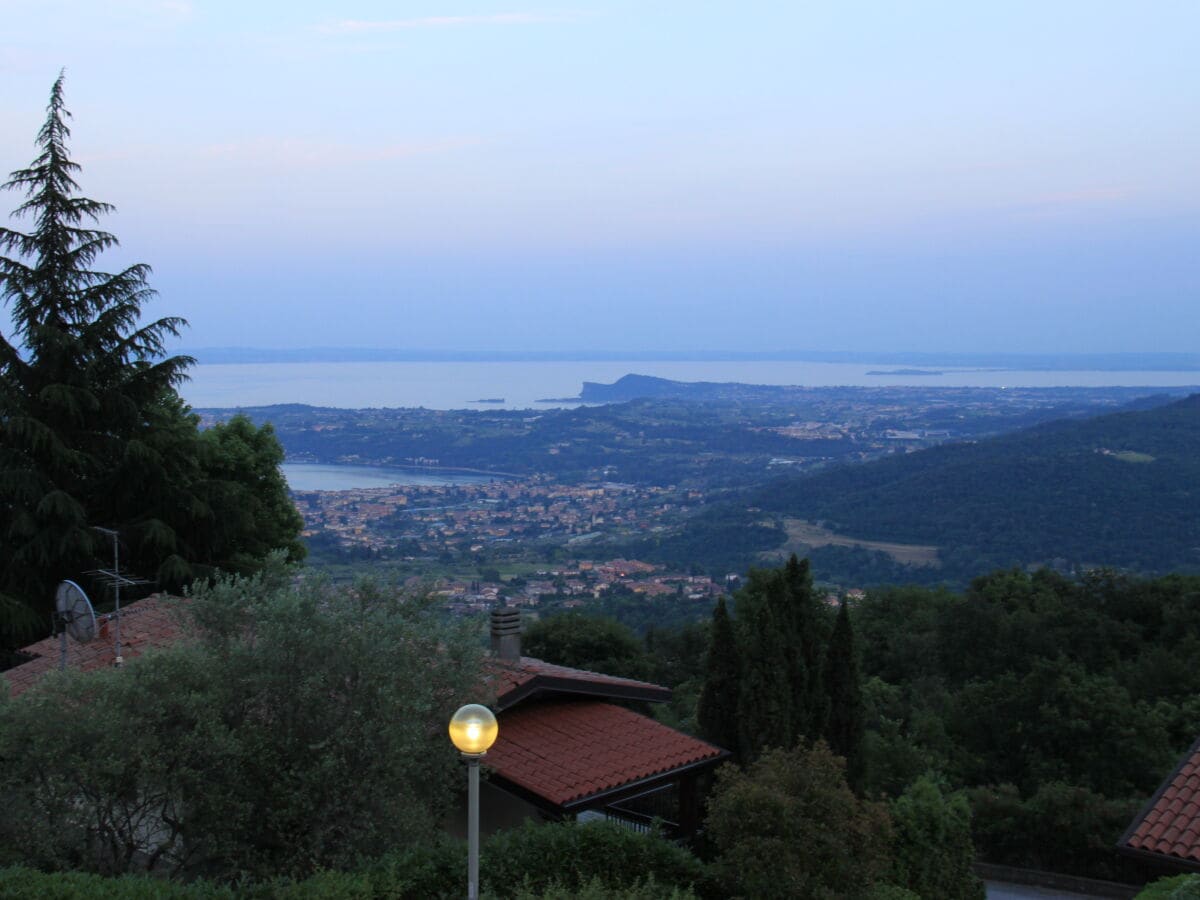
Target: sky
[463, 174]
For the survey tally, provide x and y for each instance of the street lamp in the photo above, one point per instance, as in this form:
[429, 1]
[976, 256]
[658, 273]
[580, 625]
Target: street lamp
[473, 730]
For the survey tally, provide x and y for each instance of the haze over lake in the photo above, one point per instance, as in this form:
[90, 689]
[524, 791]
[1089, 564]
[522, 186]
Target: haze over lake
[460, 385]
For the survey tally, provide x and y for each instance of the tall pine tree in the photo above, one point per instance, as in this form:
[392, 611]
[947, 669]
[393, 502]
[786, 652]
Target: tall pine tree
[92, 429]
[717, 709]
[844, 727]
[87, 380]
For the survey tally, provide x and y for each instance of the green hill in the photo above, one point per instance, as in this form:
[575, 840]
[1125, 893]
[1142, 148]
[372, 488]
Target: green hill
[1120, 490]
[1117, 490]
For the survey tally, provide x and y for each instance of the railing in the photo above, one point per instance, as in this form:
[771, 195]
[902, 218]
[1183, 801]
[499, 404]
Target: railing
[655, 809]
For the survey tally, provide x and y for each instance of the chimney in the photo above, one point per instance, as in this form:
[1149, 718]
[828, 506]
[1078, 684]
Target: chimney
[506, 634]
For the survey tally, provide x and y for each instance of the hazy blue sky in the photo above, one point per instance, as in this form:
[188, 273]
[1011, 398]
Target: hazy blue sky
[1018, 176]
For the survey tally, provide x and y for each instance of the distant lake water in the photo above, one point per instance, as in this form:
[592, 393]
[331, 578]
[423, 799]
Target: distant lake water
[322, 477]
[461, 385]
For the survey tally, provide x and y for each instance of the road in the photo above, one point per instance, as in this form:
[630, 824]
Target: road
[1003, 890]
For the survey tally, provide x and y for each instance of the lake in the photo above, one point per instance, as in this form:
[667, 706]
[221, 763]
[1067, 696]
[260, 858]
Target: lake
[324, 477]
[461, 385]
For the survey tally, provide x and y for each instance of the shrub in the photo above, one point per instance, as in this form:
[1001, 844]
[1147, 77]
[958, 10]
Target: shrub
[571, 855]
[884, 891]
[1181, 887]
[932, 843]
[435, 871]
[595, 889]
[18, 883]
[790, 827]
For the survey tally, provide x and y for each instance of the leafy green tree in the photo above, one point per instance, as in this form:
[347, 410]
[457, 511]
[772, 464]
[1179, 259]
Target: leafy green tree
[790, 827]
[844, 727]
[717, 710]
[594, 643]
[252, 514]
[1060, 723]
[302, 727]
[1061, 828]
[932, 848]
[905, 736]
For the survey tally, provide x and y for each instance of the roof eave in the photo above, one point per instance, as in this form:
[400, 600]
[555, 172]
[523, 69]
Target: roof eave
[552, 684]
[608, 795]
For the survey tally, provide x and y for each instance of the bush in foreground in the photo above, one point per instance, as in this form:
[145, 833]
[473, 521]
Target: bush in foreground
[1181, 887]
[302, 728]
[790, 827]
[572, 855]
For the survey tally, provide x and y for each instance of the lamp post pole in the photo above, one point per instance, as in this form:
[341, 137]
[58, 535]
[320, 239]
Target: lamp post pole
[472, 825]
[473, 730]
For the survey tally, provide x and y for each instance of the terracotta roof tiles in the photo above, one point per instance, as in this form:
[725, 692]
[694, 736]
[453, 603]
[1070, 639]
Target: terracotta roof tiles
[567, 751]
[147, 623]
[1170, 824]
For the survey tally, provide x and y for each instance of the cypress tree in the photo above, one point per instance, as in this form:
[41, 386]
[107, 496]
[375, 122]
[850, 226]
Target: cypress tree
[787, 617]
[844, 728]
[717, 709]
[764, 706]
[810, 625]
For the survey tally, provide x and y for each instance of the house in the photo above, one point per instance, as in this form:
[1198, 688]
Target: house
[1166, 833]
[568, 748]
[144, 624]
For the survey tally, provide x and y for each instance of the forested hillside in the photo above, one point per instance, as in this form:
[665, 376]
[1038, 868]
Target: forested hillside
[1119, 490]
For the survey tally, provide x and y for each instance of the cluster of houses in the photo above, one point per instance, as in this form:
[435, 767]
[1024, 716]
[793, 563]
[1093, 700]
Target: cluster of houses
[579, 582]
[455, 517]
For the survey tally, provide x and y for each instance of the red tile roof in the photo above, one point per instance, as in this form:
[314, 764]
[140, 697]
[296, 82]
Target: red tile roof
[151, 622]
[517, 681]
[568, 751]
[1169, 826]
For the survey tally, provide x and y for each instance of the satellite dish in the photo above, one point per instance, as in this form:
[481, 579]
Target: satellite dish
[75, 611]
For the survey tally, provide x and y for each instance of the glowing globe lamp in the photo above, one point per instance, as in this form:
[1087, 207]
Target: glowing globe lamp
[473, 729]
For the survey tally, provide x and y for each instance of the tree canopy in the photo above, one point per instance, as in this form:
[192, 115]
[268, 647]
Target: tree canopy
[593, 643]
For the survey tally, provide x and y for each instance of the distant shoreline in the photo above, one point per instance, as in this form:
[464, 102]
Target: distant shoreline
[1096, 362]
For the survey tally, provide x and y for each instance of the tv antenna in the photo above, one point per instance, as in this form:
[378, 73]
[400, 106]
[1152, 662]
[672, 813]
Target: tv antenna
[75, 615]
[114, 579]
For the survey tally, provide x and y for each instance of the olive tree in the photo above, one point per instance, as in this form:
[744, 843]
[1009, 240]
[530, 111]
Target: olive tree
[300, 726]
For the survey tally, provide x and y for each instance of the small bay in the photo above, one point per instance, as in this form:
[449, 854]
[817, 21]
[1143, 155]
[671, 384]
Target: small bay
[334, 477]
